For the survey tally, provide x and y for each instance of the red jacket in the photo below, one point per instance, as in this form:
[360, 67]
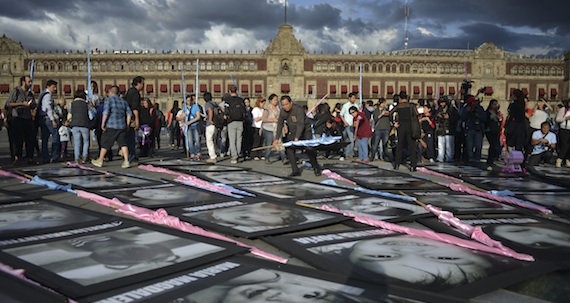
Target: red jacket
[362, 126]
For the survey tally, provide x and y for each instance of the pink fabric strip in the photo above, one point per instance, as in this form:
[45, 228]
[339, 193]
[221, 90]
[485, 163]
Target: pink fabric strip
[160, 216]
[334, 175]
[188, 179]
[73, 164]
[12, 175]
[431, 235]
[475, 233]
[463, 188]
[434, 173]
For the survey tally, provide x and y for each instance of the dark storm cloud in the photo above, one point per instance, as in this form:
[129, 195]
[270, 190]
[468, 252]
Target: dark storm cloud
[177, 24]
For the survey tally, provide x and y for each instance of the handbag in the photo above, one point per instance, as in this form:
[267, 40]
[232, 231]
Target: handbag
[414, 124]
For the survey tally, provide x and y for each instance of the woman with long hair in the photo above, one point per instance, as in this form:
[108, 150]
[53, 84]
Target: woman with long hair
[257, 116]
[493, 131]
[269, 125]
[173, 127]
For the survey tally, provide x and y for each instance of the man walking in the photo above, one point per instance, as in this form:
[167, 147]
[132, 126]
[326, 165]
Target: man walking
[235, 108]
[48, 122]
[298, 128]
[133, 98]
[117, 116]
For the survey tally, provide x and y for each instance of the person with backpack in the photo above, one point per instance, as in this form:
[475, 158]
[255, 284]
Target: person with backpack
[214, 122]
[173, 127]
[235, 108]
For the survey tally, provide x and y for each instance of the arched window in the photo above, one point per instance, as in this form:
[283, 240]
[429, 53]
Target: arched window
[421, 69]
[514, 70]
[380, 68]
[151, 66]
[59, 66]
[216, 66]
[331, 67]
[131, 66]
[346, 67]
[352, 67]
[366, 68]
[138, 66]
[402, 68]
[533, 70]
[159, 66]
[414, 69]
[388, 68]
[230, 66]
[338, 67]
[223, 66]
[208, 65]
[252, 66]
[95, 66]
[318, 67]
[394, 68]
[374, 67]
[407, 68]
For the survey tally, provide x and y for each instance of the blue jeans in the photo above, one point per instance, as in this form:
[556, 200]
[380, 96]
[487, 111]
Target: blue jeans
[445, 148]
[193, 137]
[80, 139]
[473, 145]
[380, 137]
[268, 140]
[48, 130]
[362, 148]
[348, 133]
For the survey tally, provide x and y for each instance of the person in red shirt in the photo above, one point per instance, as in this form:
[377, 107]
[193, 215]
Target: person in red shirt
[362, 133]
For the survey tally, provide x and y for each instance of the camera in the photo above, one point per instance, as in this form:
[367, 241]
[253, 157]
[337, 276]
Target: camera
[420, 110]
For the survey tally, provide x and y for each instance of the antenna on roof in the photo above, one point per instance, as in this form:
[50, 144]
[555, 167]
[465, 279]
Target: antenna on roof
[407, 12]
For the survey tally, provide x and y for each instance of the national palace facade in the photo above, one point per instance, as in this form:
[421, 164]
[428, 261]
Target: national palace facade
[285, 67]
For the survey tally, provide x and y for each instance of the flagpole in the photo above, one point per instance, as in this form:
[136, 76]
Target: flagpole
[32, 66]
[185, 110]
[89, 88]
[360, 86]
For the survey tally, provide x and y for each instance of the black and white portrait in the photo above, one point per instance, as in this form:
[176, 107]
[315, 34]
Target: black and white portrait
[37, 215]
[257, 218]
[105, 181]
[292, 189]
[91, 259]
[239, 177]
[165, 195]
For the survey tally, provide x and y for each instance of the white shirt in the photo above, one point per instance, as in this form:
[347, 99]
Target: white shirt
[541, 147]
[257, 112]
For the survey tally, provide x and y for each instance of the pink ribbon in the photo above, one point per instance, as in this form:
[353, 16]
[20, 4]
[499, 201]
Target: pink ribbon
[334, 175]
[188, 179]
[463, 188]
[431, 235]
[12, 175]
[73, 164]
[160, 216]
[434, 173]
[475, 233]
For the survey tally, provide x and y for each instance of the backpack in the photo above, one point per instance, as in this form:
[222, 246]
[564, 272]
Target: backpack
[218, 116]
[161, 118]
[235, 109]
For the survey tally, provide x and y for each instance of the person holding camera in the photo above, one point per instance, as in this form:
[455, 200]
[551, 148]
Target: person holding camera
[472, 119]
[543, 143]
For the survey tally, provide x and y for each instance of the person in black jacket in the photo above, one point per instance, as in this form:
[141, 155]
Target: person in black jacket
[446, 119]
[473, 120]
[298, 128]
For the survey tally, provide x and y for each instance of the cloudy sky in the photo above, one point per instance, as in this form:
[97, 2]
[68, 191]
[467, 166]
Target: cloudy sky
[522, 26]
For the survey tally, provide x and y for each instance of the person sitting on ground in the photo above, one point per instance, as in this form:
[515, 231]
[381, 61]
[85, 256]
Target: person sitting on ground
[543, 142]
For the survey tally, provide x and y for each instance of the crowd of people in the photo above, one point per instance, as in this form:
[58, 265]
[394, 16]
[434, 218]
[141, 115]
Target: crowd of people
[397, 131]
